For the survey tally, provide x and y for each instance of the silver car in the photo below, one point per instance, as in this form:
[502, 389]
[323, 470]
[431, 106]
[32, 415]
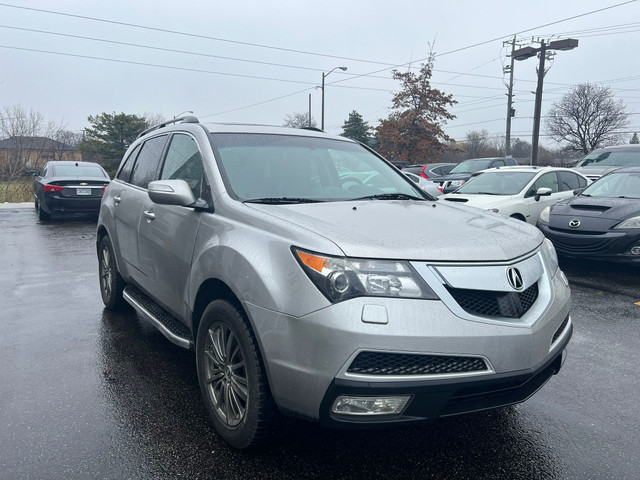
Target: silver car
[312, 278]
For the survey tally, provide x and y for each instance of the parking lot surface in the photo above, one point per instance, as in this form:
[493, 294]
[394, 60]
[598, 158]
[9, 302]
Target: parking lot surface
[86, 393]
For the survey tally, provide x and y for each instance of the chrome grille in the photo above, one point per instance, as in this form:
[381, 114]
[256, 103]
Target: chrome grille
[383, 363]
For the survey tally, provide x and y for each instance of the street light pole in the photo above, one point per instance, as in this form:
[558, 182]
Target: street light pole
[325, 75]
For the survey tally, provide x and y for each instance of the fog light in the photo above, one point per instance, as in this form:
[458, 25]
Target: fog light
[349, 405]
[635, 250]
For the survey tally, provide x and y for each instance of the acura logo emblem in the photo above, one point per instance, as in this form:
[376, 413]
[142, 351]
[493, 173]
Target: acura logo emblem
[575, 223]
[515, 278]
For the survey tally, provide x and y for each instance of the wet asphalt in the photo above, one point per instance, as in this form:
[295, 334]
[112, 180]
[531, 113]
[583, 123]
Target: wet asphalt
[89, 394]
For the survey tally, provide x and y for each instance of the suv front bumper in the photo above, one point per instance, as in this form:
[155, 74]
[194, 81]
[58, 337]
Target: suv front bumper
[431, 399]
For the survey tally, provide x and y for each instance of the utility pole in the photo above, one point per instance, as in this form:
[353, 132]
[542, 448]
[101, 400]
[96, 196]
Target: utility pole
[510, 111]
[535, 136]
[309, 110]
[542, 52]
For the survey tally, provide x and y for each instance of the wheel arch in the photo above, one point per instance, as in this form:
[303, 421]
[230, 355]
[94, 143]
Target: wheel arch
[518, 216]
[210, 290]
[215, 289]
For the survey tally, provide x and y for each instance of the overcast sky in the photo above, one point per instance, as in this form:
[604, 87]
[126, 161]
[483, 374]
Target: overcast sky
[257, 61]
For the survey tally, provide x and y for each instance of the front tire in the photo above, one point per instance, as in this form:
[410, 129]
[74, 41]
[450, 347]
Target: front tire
[232, 376]
[111, 283]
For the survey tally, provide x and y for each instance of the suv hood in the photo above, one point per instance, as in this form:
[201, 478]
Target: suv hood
[595, 172]
[411, 230]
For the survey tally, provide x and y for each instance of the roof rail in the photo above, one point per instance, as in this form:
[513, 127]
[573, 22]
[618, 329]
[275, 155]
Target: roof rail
[187, 119]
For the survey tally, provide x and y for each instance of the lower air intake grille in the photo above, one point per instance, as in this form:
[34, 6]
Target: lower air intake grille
[487, 303]
[380, 363]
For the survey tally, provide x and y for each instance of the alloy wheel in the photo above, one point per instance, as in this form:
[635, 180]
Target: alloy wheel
[225, 375]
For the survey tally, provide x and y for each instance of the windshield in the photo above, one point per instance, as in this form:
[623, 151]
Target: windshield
[615, 185]
[84, 171]
[611, 159]
[470, 166]
[302, 169]
[500, 182]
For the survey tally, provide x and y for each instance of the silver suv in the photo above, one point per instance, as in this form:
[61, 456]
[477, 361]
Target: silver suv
[312, 278]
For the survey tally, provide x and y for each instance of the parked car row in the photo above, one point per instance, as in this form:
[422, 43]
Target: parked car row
[520, 192]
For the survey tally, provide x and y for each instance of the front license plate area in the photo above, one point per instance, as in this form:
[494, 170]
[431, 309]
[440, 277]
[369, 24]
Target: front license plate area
[83, 191]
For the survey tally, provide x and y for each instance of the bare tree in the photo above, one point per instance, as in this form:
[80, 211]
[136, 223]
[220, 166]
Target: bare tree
[586, 118]
[19, 129]
[299, 120]
[476, 143]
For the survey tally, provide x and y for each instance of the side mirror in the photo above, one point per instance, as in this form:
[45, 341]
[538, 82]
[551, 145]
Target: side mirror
[171, 192]
[542, 192]
[578, 191]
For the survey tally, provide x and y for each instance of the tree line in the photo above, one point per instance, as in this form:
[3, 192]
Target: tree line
[586, 118]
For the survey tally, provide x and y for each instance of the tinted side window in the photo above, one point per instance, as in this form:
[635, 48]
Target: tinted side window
[125, 171]
[146, 166]
[498, 163]
[568, 181]
[184, 162]
[548, 180]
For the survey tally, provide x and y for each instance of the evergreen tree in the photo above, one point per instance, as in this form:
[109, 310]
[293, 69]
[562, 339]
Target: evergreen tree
[356, 128]
[634, 139]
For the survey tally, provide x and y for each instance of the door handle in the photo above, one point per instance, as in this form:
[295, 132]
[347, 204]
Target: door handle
[150, 215]
[116, 199]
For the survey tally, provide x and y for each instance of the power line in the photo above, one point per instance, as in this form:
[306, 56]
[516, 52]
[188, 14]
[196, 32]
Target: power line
[156, 65]
[192, 35]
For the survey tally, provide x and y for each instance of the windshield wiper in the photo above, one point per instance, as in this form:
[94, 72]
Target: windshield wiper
[388, 196]
[282, 200]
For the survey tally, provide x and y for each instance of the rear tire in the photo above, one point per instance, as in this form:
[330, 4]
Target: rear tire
[42, 215]
[111, 283]
[232, 376]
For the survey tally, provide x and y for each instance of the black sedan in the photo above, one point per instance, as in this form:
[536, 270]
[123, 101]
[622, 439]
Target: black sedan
[69, 187]
[601, 222]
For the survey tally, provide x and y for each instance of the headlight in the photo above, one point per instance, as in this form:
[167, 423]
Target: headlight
[457, 183]
[629, 223]
[339, 278]
[550, 255]
[544, 215]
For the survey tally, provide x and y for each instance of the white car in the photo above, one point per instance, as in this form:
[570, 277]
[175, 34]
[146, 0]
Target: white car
[520, 192]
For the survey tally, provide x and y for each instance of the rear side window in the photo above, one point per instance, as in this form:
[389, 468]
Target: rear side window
[184, 162]
[146, 166]
[125, 171]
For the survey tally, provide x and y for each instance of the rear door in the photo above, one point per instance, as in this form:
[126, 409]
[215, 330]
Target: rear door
[129, 196]
[167, 233]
